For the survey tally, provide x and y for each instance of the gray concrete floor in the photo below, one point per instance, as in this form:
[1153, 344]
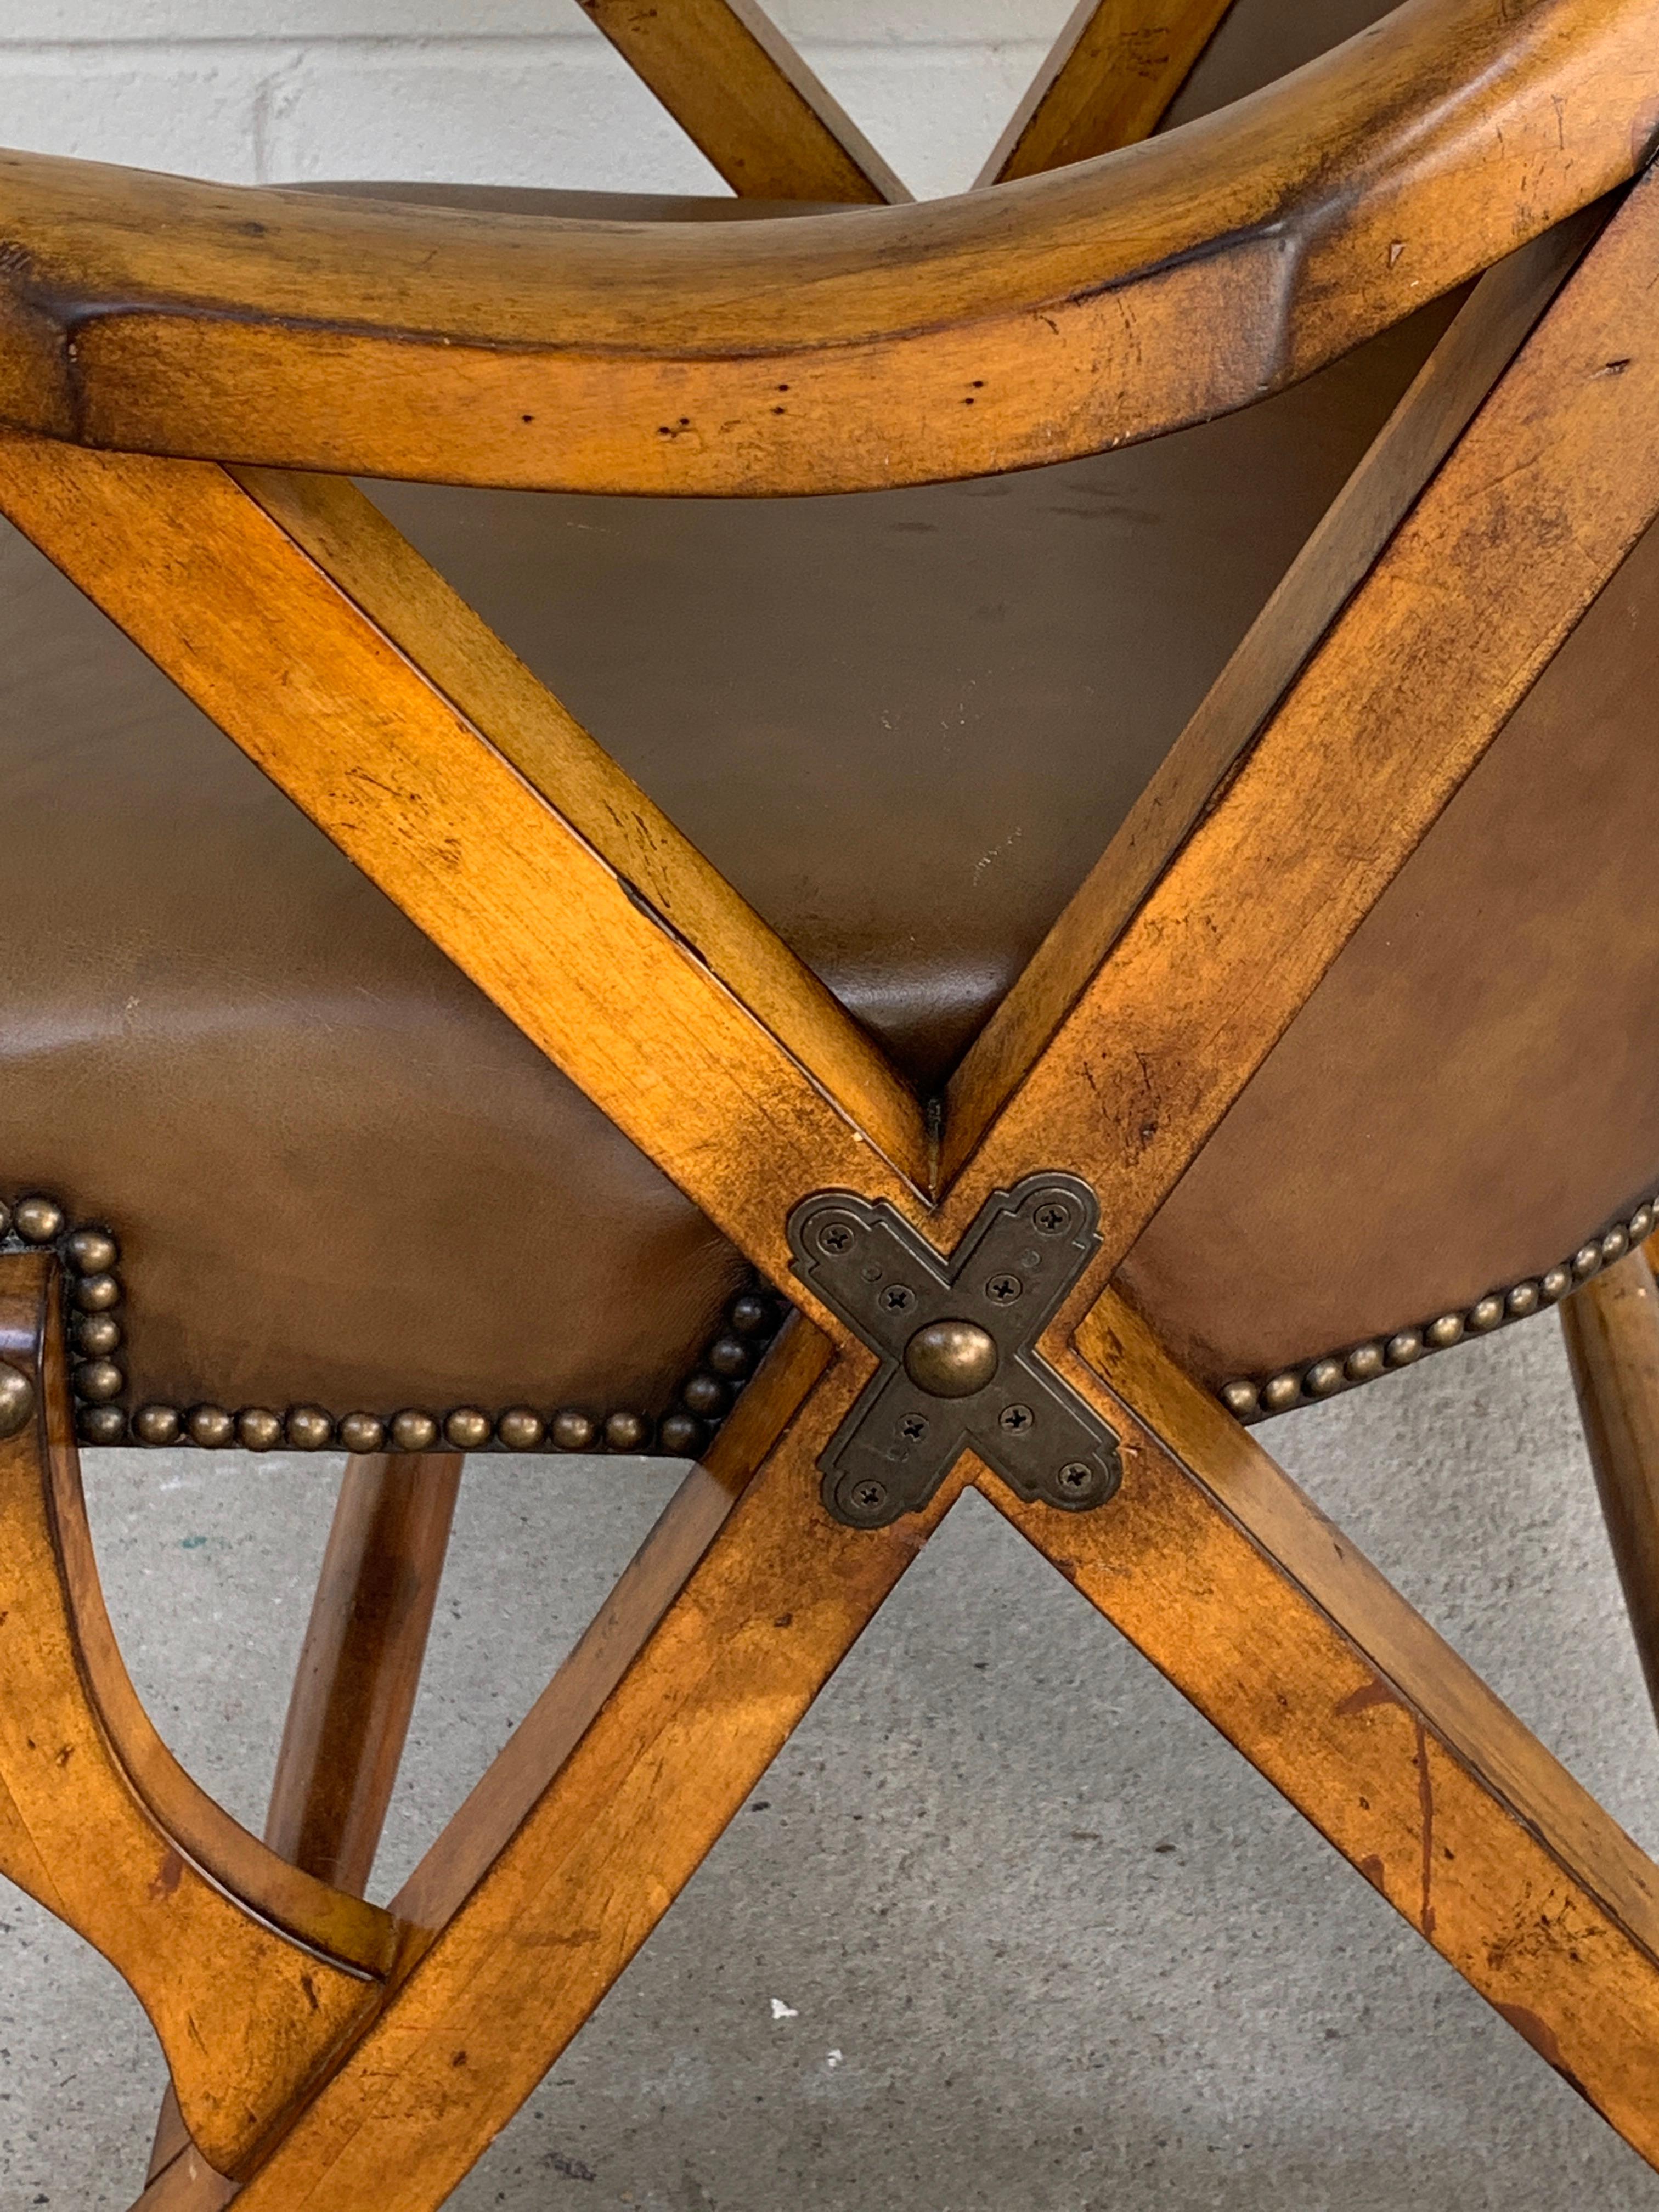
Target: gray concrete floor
[1006, 1929]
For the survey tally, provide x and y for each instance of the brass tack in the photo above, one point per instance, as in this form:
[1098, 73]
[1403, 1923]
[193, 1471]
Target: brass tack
[750, 1314]
[1486, 1313]
[520, 1429]
[1446, 1331]
[39, 1220]
[308, 1428]
[1614, 1245]
[102, 1425]
[1240, 1399]
[211, 1427]
[157, 1425]
[16, 1399]
[1525, 1298]
[681, 1434]
[1323, 1379]
[1555, 1285]
[97, 1293]
[98, 1380]
[97, 1335]
[1402, 1348]
[627, 1432]
[258, 1429]
[413, 1429]
[1641, 1224]
[93, 1251]
[731, 1357]
[1278, 1395]
[5, 1219]
[363, 1432]
[1365, 1362]
[1586, 1261]
[574, 1430]
[707, 1396]
[467, 1428]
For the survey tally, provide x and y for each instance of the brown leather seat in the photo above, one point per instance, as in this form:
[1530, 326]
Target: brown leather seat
[903, 724]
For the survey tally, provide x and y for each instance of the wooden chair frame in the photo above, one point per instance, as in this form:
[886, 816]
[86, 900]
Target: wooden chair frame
[169, 352]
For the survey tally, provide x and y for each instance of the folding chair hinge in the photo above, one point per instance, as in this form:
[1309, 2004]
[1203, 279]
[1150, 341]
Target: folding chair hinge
[957, 1343]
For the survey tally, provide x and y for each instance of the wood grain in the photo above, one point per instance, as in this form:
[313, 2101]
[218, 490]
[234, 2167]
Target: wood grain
[1107, 82]
[445, 815]
[1066, 312]
[1453, 384]
[741, 94]
[1611, 1325]
[1215, 1565]
[1547, 491]
[243, 2012]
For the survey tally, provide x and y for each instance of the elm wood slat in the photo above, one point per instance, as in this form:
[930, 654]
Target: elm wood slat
[1546, 491]
[708, 1699]
[1110, 300]
[1453, 384]
[243, 2012]
[434, 810]
[1612, 1328]
[1214, 1565]
[1107, 82]
[355, 1687]
[745, 97]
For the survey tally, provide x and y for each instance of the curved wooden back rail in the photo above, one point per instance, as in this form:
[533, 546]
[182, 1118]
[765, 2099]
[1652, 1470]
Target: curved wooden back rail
[1060, 315]
[204, 340]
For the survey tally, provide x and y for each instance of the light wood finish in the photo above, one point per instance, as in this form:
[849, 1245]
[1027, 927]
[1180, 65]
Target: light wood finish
[594, 953]
[355, 1688]
[1106, 82]
[1612, 1329]
[1543, 496]
[1454, 383]
[741, 94]
[1215, 1565]
[243, 2012]
[1108, 302]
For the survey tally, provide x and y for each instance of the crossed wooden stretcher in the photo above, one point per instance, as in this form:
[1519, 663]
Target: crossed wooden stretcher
[330, 2055]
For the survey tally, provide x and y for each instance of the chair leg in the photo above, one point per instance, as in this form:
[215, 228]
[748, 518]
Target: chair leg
[354, 1690]
[1612, 1328]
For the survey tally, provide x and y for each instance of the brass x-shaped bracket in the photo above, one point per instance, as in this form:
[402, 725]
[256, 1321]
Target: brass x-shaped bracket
[958, 1344]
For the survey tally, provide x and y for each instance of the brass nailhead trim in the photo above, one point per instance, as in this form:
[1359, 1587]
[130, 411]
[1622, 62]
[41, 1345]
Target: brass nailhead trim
[1339, 1372]
[91, 1257]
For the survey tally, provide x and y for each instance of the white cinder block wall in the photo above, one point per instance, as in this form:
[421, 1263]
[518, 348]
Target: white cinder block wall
[521, 92]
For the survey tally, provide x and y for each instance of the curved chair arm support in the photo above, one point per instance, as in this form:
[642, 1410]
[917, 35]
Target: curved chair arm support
[1056, 316]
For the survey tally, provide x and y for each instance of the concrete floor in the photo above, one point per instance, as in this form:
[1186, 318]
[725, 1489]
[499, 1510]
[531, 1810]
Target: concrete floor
[1006, 1927]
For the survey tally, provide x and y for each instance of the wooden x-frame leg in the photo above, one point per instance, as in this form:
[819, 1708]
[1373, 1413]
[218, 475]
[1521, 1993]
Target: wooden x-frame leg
[324, 647]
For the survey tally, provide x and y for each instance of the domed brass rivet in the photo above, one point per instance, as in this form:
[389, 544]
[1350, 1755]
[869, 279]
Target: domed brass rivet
[1283, 1392]
[521, 1429]
[258, 1429]
[1364, 1363]
[467, 1428]
[98, 1380]
[363, 1432]
[308, 1428]
[102, 1425]
[1323, 1379]
[1240, 1399]
[413, 1429]
[1614, 1245]
[97, 1293]
[211, 1427]
[627, 1432]
[1586, 1261]
[950, 1358]
[1525, 1298]
[39, 1220]
[1555, 1285]
[706, 1396]
[731, 1357]
[93, 1251]
[16, 1399]
[157, 1425]
[97, 1335]
[5, 1219]
[574, 1430]
[1402, 1348]
[1641, 1224]
[1439, 1335]
[750, 1314]
[680, 1436]
[1486, 1313]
